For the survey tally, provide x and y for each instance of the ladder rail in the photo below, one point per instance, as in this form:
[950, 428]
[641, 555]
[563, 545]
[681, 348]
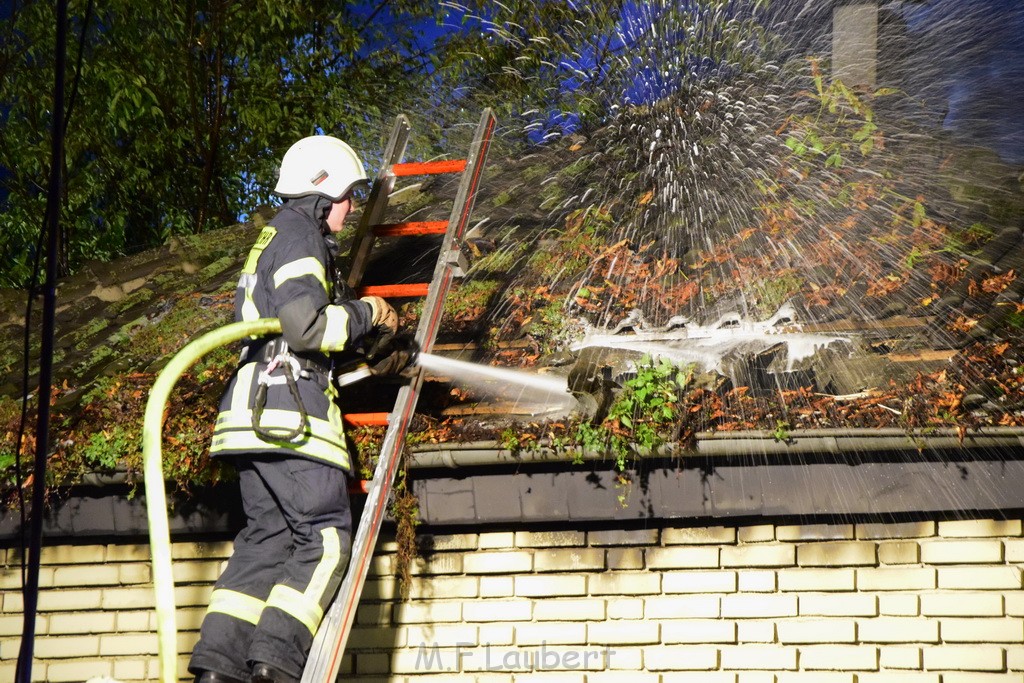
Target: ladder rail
[377, 202]
[330, 640]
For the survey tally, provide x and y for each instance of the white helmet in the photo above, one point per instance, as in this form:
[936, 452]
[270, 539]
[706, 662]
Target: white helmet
[321, 165]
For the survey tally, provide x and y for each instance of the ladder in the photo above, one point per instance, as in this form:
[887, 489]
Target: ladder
[329, 643]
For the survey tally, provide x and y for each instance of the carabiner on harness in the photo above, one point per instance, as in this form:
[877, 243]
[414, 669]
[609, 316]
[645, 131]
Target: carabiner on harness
[291, 375]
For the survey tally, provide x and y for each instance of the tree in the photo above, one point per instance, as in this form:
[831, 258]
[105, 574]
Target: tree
[182, 110]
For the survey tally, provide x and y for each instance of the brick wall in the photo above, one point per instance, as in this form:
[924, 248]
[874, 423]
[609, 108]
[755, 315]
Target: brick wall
[922, 602]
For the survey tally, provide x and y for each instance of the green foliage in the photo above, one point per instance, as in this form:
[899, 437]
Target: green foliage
[183, 110]
[647, 405]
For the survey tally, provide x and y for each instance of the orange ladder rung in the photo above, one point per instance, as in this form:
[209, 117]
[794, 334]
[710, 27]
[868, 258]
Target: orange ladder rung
[395, 291]
[429, 167]
[367, 419]
[410, 228]
[359, 486]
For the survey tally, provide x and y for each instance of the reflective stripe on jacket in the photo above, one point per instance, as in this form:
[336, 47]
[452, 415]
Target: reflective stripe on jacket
[288, 275]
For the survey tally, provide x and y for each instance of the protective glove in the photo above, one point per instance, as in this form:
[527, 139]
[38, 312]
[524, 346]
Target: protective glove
[395, 355]
[384, 319]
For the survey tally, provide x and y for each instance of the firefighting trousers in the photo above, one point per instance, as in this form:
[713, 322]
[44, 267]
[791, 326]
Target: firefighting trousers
[286, 566]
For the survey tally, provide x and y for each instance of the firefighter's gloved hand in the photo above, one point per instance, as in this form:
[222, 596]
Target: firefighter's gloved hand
[383, 318]
[391, 358]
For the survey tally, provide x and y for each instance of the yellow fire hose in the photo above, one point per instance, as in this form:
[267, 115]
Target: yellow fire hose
[156, 500]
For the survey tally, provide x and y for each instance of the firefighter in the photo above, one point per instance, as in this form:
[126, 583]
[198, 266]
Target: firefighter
[281, 427]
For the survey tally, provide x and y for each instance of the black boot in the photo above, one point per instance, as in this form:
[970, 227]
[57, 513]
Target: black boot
[267, 673]
[214, 677]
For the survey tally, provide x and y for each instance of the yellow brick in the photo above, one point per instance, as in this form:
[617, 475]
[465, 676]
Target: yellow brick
[81, 622]
[740, 605]
[982, 678]
[815, 677]
[755, 631]
[975, 528]
[68, 600]
[698, 631]
[427, 612]
[900, 658]
[134, 573]
[551, 586]
[202, 551]
[699, 535]
[496, 634]
[626, 608]
[768, 555]
[982, 630]
[961, 552]
[429, 659]
[815, 532]
[549, 539]
[456, 542]
[760, 657]
[130, 644]
[682, 557]
[898, 630]
[188, 619]
[899, 552]
[72, 554]
[755, 534]
[624, 583]
[631, 633]
[1014, 604]
[692, 677]
[569, 560]
[899, 605]
[498, 563]
[755, 677]
[497, 610]
[964, 658]
[839, 579]
[128, 553]
[816, 631]
[621, 537]
[497, 539]
[638, 677]
[551, 633]
[896, 578]
[625, 558]
[1014, 550]
[699, 582]
[11, 578]
[86, 575]
[897, 677]
[65, 647]
[882, 531]
[569, 610]
[376, 638]
[436, 588]
[447, 635]
[497, 587]
[682, 607]
[373, 663]
[680, 657]
[839, 658]
[992, 578]
[77, 670]
[762, 581]
[195, 572]
[129, 670]
[837, 554]
[379, 614]
[962, 604]
[12, 624]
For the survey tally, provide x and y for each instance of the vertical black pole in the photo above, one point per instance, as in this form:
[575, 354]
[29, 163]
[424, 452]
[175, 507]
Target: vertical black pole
[31, 589]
